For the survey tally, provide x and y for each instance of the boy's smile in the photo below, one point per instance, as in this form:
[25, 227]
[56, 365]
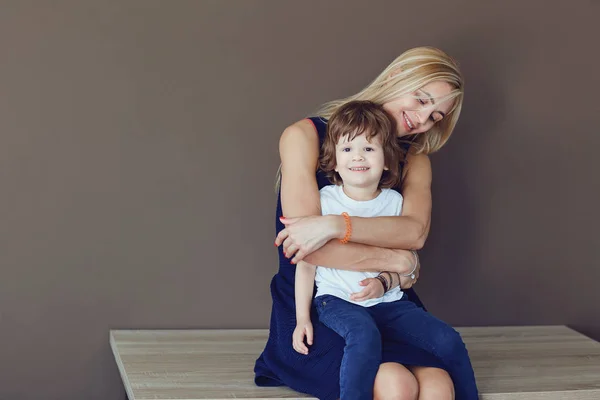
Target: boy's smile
[360, 164]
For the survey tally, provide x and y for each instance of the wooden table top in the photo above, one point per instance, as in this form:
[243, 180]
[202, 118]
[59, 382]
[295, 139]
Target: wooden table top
[516, 363]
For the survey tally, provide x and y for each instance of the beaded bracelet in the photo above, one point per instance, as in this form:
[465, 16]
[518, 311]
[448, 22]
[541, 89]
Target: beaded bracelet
[346, 238]
[391, 283]
[383, 283]
[391, 279]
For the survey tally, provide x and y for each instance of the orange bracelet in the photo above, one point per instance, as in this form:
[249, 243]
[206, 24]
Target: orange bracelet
[346, 238]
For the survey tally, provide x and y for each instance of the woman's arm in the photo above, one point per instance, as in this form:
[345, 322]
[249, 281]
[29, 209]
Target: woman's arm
[408, 231]
[299, 152]
[374, 289]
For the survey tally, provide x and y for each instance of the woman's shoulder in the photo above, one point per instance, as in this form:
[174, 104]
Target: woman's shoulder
[306, 131]
[417, 169]
[299, 145]
[421, 159]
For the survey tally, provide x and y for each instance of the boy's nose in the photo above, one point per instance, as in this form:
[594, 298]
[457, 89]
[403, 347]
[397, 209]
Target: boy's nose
[358, 156]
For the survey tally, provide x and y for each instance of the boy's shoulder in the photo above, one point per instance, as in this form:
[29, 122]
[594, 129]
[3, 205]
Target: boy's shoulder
[329, 193]
[391, 193]
[329, 196]
[329, 190]
[391, 196]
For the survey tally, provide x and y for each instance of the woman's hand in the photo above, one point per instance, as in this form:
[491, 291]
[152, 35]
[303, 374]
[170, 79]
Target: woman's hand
[304, 235]
[373, 289]
[406, 282]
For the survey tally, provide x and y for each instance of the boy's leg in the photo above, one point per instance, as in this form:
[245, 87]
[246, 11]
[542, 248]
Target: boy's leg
[362, 352]
[403, 320]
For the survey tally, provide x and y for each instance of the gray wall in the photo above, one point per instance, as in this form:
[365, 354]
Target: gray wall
[139, 145]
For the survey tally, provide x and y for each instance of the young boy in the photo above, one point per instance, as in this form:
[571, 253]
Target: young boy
[361, 155]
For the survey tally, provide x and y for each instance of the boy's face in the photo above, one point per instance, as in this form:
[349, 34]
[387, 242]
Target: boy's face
[360, 163]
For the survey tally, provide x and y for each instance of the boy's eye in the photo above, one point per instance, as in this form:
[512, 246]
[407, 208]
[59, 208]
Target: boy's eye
[346, 149]
[369, 149]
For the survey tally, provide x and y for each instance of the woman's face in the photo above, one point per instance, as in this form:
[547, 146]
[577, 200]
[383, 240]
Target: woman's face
[418, 112]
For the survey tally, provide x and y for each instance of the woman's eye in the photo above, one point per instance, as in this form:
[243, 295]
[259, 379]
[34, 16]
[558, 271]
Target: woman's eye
[423, 102]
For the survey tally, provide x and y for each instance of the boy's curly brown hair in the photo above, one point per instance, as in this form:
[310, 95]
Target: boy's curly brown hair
[356, 118]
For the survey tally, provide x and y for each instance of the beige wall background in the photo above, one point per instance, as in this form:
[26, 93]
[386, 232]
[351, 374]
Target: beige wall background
[139, 146]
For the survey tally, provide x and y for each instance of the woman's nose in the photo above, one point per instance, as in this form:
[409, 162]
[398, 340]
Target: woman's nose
[423, 116]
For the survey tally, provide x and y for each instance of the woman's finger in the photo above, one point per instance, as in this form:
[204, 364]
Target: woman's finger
[281, 236]
[299, 256]
[291, 250]
[287, 221]
[368, 295]
[286, 244]
[360, 296]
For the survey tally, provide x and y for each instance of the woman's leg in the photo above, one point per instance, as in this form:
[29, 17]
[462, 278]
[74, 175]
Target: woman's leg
[434, 383]
[403, 320]
[395, 382]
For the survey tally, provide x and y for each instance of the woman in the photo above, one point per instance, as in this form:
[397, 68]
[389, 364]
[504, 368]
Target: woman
[423, 90]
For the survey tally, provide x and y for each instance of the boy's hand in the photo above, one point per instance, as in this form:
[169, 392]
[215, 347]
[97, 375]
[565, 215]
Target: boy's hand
[302, 329]
[373, 290]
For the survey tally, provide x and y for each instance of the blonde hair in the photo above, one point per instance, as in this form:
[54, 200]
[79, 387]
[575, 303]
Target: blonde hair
[410, 71]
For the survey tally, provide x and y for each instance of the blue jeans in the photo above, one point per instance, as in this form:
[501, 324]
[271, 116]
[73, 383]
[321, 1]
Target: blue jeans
[364, 329]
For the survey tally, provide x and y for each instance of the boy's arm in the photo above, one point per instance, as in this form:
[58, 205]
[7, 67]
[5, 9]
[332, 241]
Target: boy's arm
[305, 278]
[305, 281]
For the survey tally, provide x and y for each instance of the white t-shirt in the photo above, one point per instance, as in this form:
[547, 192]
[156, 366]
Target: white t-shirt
[340, 283]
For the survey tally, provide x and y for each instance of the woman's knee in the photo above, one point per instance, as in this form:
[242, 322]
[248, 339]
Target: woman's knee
[395, 382]
[434, 383]
[449, 344]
